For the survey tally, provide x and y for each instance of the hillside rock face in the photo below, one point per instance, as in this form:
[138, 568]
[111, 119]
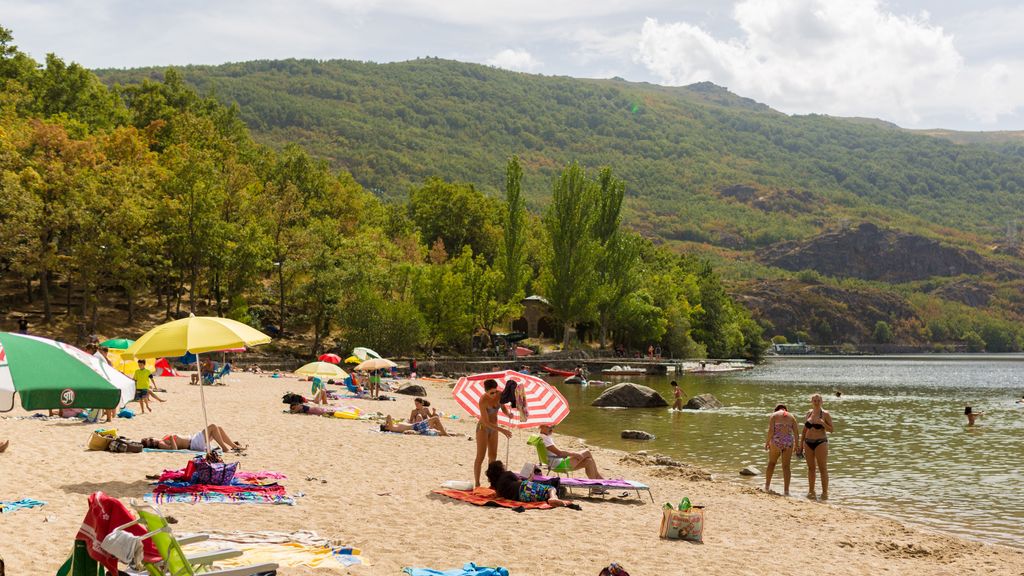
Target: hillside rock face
[870, 253]
[828, 314]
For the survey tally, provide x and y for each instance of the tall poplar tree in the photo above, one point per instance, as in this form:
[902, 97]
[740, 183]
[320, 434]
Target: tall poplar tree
[570, 283]
[513, 256]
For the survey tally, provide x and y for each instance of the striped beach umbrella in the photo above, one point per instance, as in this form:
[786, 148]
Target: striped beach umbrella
[47, 374]
[545, 405]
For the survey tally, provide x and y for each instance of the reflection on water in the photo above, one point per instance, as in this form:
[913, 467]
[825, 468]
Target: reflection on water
[901, 446]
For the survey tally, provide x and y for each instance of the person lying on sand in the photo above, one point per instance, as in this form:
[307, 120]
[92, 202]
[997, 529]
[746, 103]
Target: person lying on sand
[315, 409]
[430, 427]
[508, 485]
[195, 442]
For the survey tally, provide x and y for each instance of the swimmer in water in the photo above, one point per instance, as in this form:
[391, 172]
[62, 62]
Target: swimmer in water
[972, 415]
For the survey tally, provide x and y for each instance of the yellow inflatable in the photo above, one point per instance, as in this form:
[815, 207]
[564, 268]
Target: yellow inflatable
[349, 413]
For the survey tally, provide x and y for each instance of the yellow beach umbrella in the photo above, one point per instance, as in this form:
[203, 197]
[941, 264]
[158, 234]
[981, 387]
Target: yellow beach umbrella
[126, 364]
[376, 364]
[322, 370]
[195, 335]
[352, 360]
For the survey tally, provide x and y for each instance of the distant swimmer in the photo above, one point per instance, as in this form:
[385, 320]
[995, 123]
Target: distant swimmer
[972, 415]
[839, 393]
[1021, 401]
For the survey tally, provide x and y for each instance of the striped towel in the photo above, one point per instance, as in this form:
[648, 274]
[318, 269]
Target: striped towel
[218, 498]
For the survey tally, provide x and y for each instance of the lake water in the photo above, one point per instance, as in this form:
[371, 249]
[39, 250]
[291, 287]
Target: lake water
[901, 447]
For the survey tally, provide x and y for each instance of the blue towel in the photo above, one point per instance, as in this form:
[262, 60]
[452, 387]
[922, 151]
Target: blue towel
[175, 451]
[469, 569]
[23, 504]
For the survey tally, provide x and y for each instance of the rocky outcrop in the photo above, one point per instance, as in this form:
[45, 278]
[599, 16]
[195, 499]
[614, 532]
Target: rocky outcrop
[702, 402]
[871, 253]
[412, 390]
[750, 471]
[969, 291]
[828, 314]
[629, 395]
[637, 435]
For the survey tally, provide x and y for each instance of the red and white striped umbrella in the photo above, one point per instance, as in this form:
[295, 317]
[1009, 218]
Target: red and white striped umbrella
[545, 405]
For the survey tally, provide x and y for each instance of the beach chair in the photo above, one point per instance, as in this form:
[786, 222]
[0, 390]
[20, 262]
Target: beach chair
[79, 563]
[564, 465]
[174, 562]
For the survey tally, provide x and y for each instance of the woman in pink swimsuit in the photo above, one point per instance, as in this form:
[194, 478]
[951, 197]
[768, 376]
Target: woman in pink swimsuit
[782, 435]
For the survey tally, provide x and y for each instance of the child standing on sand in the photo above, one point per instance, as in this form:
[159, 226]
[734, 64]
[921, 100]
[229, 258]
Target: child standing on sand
[678, 394]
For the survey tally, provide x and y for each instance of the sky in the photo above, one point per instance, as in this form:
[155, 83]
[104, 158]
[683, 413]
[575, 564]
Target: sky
[941, 64]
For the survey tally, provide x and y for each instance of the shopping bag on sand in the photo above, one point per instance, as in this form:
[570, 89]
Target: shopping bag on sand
[101, 439]
[683, 524]
[212, 473]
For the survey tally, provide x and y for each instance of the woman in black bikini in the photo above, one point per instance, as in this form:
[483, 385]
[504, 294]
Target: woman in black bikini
[487, 429]
[814, 443]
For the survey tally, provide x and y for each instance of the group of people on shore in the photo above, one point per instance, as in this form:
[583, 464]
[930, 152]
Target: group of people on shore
[785, 438]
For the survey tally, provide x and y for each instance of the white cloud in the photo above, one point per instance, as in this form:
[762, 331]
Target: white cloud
[841, 57]
[518, 60]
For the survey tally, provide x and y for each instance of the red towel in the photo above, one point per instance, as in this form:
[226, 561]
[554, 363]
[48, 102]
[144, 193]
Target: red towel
[105, 514]
[487, 497]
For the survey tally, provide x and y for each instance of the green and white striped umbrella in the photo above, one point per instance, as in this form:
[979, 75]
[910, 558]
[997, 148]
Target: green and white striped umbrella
[50, 375]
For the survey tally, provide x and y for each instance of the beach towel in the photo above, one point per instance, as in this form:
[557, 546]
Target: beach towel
[468, 569]
[487, 497]
[104, 515]
[217, 498]
[284, 554]
[23, 504]
[172, 451]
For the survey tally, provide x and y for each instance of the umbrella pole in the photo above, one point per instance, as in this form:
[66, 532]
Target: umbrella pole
[202, 400]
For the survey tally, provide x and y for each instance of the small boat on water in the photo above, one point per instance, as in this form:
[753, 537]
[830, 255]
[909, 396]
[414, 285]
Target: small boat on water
[717, 368]
[624, 371]
[556, 371]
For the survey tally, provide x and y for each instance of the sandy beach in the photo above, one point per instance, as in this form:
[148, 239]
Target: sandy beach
[377, 497]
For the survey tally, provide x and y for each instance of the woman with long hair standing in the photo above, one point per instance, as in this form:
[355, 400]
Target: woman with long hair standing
[487, 429]
[814, 444]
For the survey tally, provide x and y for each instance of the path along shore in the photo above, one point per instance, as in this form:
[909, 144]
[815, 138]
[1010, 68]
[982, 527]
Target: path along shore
[377, 497]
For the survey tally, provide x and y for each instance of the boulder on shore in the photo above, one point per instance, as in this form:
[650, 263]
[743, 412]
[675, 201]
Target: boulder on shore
[750, 471]
[412, 390]
[636, 435]
[702, 402]
[630, 395]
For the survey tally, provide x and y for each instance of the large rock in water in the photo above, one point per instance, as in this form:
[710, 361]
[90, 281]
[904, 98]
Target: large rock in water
[702, 402]
[636, 435]
[629, 395]
[412, 390]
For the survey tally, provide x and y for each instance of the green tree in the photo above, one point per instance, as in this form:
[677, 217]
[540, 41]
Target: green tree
[882, 334]
[457, 214]
[513, 257]
[571, 285]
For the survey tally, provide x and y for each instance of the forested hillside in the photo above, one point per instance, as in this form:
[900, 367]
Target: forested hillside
[706, 172]
[392, 125]
[120, 208]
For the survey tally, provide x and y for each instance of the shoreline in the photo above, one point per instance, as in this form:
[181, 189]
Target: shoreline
[377, 497]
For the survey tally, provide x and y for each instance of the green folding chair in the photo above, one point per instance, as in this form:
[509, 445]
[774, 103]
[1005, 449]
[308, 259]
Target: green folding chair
[564, 465]
[174, 562]
[79, 563]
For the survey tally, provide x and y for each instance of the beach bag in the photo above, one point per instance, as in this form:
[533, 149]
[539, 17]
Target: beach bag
[118, 445]
[683, 524]
[101, 439]
[212, 473]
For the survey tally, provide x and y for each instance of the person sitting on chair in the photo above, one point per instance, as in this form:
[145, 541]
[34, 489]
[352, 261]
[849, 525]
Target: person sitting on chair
[577, 460]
